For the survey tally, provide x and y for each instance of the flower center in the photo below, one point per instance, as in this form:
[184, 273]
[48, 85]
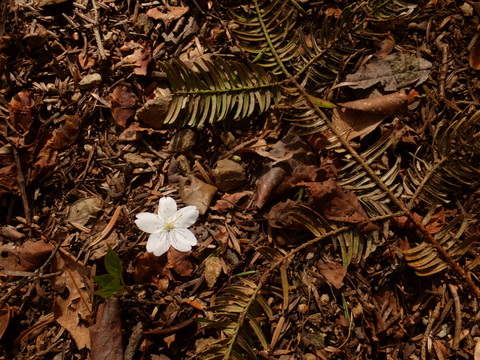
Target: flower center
[169, 226]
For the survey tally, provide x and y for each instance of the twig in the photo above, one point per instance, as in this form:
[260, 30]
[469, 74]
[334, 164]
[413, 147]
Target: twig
[22, 187]
[426, 178]
[109, 226]
[458, 317]
[96, 30]
[431, 320]
[443, 72]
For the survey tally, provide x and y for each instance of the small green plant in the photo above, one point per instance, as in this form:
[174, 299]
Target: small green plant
[113, 281]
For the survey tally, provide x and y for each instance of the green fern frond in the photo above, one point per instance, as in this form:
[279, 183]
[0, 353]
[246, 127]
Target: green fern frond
[355, 246]
[388, 10]
[328, 47]
[267, 32]
[452, 167]
[425, 259]
[238, 311]
[219, 89]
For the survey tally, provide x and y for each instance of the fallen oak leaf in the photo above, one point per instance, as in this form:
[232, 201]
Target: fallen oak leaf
[123, 101]
[106, 333]
[140, 59]
[27, 257]
[360, 117]
[291, 160]
[73, 312]
[279, 216]
[337, 205]
[21, 112]
[172, 13]
[179, 262]
[333, 272]
[392, 71]
[47, 148]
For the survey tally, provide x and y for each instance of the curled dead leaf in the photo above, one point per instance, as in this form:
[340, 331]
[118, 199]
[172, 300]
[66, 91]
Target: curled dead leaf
[179, 262]
[333, 272]
[123, 102]
[213, 269]
[335, 204]
[360, 117]
[106, 333]
[168, 15]
[74, 311]
[21, 111]
[385, 46]
[29, 256]
[195, 192]
[140, 59]
[474, 58]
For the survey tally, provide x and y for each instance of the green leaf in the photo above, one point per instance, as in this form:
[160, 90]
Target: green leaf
[105, 280]
[321, 103]
[110, 289]
[113, 263]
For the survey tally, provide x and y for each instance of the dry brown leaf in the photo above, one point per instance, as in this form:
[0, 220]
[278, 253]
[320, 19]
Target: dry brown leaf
[333, 272]
[29, 256]
[360, 117]
[47, 148]
[385, 46]
[195, 192]
[106, 333]
[179, 262]
[474, 58]
[21, 111]
[140, 59]
[149, 267]
[291, 161]
[123, 102]
[213, 269]
[228, 201]
[8, 175]
[172, 13]
[73, 311]
[338, 205]
[279, 216]
[5, 316]
[392, 71]
[85, 61]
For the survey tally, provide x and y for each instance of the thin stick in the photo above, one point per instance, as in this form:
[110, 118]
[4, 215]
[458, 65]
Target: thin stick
[96, 30]
[458, 317]
[22, 187]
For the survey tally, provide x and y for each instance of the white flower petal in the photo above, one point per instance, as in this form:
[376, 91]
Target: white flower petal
[159, 243]
[149, 222]
[167, 207]
[182, 239]
[186, 217]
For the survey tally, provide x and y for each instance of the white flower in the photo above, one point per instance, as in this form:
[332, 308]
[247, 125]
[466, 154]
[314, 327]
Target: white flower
[169, 227]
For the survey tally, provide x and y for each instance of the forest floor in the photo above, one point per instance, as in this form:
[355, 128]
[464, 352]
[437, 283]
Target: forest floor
[293, 261]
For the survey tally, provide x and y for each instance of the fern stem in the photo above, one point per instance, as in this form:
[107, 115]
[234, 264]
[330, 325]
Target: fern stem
[269, 41]
[404, 208]
[426, 178]
[221, 91]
